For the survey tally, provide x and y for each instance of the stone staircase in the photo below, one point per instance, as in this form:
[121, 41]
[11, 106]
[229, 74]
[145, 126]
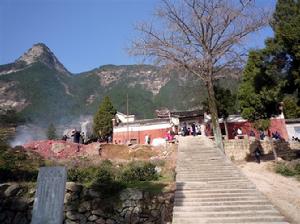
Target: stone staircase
[210, 189]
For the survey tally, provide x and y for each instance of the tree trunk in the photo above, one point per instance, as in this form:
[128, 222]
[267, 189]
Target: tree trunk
[226, 128]
[214, 114]
[273, 148]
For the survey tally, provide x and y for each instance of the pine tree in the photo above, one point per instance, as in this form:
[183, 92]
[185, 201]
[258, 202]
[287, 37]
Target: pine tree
[259, 92]
[51, 132]
[103, 118]
[274, 72]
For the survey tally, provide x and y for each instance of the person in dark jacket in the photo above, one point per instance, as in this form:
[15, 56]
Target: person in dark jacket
[262, 135]
[257, 154]
[194, 129]
[76, 136]
[252, 133]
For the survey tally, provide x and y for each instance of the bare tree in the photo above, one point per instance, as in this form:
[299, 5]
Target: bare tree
[205, 37]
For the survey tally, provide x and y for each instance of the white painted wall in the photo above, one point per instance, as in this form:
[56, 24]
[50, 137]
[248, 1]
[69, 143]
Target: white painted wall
[293, 130]
[144, 127]
[124, 118]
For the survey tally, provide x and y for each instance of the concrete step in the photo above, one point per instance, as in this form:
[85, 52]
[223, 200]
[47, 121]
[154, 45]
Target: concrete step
[265, 219]
[219, 203]
[221, 199]
[228, 214]
[216, 191]
[185, 195]
[205, 186]
[223, 208]
[210, 179]
[210, 189]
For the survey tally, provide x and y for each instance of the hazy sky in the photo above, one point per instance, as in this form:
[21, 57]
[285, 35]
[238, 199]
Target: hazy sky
[83, 34]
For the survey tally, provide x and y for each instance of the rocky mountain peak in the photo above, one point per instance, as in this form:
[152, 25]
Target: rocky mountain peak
[41, 53]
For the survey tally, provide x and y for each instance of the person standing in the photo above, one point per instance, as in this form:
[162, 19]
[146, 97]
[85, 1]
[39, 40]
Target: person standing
[146, 139]
[76, 136]
[194, 129]
[261, 135]
[239, 131]
[257, 154]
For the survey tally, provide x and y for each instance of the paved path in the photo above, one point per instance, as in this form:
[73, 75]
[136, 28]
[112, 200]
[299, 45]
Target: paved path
[210, 189]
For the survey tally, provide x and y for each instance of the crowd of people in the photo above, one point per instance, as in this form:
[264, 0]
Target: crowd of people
[295, 139]
[193, 129]
[261, 134]
[80, 137]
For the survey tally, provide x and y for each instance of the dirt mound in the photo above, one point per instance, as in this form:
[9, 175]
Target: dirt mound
[61, 149]
[51, 149]
[123, 152]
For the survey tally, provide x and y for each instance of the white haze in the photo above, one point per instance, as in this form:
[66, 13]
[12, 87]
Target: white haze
[27, 133]
[32, 132]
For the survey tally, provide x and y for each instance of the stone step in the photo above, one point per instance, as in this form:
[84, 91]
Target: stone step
[214, 191]
[209, 176]
[223, 208]
[227, 214]
[191, 195]
[243, 220]
[206, 186]
[219, 203]
[210, 189]
[223, 199]
[209, 166]
[206, 178]
[203, 169]
[210, 173]
[219, 184]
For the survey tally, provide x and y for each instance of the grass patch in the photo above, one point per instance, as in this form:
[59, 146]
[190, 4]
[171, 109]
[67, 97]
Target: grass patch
[154, 187]
[289, 169]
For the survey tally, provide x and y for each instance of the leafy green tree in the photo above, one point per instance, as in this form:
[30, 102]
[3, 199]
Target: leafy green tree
[274, 72]
[260, 91]
[286, 26]
[51, 132]
[291, 109]
[226, 104]
[103, 118]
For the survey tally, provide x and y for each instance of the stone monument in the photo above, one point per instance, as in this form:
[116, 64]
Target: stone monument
[48, 205]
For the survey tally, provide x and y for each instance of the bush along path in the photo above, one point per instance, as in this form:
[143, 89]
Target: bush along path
[210, 189]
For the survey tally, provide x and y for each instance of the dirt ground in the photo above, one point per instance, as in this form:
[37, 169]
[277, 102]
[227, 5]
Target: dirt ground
[283, 192]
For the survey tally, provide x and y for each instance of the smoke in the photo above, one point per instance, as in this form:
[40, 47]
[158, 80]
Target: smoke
[32, 132]
[27, 133]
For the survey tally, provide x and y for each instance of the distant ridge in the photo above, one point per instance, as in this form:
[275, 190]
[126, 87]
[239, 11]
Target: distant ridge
[42, 89]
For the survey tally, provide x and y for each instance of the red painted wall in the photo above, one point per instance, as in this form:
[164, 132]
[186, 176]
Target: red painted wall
[276, 125]
[121, 137]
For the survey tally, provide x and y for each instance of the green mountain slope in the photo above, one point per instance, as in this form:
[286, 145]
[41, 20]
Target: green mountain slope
[44, 91]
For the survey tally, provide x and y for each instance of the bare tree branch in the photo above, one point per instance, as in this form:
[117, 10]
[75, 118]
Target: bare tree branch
[204, 37]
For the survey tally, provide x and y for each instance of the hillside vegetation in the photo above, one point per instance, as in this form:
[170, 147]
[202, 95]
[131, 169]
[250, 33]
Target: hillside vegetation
[45, 92]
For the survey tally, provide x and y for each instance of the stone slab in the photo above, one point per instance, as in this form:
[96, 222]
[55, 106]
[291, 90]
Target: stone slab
[49, 197]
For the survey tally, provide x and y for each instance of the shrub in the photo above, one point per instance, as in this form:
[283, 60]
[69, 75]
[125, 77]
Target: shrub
[284, 170]
[139, 171]
[104, 176]
[83, 175]
[18, 165]
[105, 180]
[73, 175]
[297, 169]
